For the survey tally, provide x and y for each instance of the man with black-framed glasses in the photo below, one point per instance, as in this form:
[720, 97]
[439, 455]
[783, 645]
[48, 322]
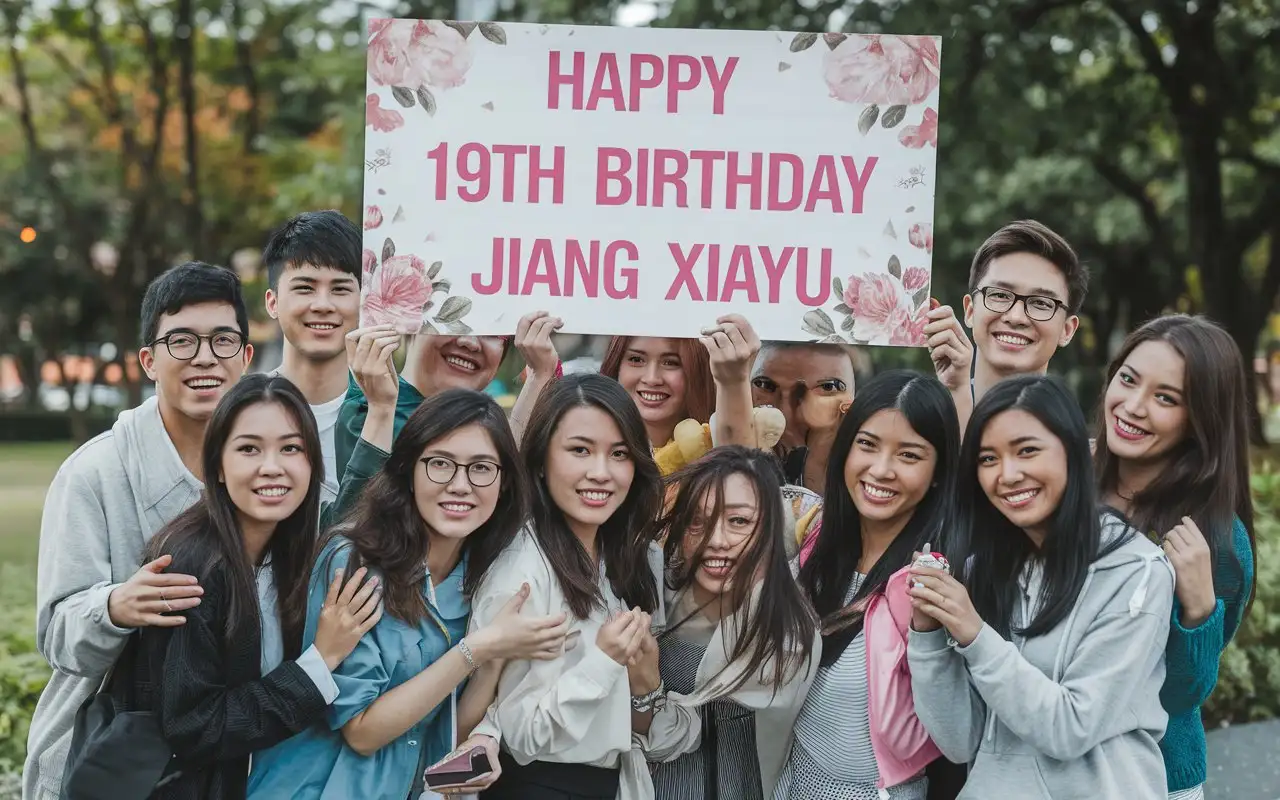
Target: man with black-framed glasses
[1026, 286]
[116, 491]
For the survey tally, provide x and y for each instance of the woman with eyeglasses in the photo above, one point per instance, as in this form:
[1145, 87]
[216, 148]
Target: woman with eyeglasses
[427, 527]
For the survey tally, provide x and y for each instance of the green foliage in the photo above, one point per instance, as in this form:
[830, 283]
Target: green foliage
[1249, 673]
[23, 673]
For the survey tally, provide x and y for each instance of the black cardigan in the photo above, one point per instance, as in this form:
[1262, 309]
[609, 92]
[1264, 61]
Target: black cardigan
[214, 705]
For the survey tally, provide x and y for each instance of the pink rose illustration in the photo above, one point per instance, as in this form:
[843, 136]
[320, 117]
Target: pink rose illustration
[369, 262]
[917, 136]
[381, 119]
[873, 298]
[921, 235]
[397, 293]
[885, 69]
[915, 278]
[413, 53]
[906, 327]
[372, 217]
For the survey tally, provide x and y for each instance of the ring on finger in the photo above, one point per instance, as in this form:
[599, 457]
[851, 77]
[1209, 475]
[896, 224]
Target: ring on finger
[165, 600]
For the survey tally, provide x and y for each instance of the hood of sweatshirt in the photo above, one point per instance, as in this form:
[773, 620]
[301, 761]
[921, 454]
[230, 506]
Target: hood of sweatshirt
[161, 485]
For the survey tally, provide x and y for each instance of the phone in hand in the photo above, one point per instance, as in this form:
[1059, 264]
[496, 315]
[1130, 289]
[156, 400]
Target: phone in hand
[459, 769]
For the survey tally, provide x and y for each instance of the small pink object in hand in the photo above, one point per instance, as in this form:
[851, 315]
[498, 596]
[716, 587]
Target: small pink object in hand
[930, 558]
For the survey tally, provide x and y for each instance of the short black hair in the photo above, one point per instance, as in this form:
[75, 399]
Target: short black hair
[1036, 238]
[319, 238]
[188, 284]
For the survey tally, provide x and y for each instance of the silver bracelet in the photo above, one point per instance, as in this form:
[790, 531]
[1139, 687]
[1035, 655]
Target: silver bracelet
[655, 700]
[468, 655]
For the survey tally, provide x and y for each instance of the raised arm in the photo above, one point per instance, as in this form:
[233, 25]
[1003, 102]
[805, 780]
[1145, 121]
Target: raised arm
[533, 340]
[732, 345]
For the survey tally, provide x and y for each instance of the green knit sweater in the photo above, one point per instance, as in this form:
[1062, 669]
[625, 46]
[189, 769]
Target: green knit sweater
[1192, 665]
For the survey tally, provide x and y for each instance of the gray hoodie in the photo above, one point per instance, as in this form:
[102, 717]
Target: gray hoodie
[108, 498]
[1074, 713]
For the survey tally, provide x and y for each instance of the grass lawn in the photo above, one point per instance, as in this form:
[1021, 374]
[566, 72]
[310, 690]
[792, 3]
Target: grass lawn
[25, 473]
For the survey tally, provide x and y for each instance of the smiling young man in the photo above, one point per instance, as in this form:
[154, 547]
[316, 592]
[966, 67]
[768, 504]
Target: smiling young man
[314, 271]
[1026, 286]
[115, 492]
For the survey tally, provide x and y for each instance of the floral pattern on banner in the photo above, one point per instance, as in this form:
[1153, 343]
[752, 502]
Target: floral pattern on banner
[876, 308]
[412, 57]
[917, 136]
[399, 291]
[921, 235]
[383, 120]
[885, 71]
[372, 217]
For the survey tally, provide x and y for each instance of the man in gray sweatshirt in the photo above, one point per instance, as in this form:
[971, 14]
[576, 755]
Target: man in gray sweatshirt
[115, 492]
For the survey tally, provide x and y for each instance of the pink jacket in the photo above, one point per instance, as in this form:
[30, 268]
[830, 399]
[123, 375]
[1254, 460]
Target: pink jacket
[898, 738]
[901, 745]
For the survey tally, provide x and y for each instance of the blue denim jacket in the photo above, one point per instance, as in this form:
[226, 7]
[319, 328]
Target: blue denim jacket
[317, 764]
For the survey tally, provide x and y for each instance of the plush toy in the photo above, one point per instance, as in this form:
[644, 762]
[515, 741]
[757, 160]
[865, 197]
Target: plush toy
[693, 439]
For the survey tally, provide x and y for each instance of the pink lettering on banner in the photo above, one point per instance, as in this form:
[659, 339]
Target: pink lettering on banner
[776, 163]
[640, 81]
[644, 71]
[549, 271]
[475, 164]
[608, 174]
[741, 276]
[669, 168]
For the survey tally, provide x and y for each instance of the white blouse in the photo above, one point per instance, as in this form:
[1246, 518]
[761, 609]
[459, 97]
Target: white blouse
[575, 709]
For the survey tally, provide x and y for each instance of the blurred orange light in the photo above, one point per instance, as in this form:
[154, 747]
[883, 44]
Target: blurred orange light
[28, 235]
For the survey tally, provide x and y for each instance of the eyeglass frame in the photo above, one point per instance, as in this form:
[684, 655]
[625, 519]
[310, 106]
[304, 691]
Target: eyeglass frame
[200, 340]
[1023, 298]
[457, 465]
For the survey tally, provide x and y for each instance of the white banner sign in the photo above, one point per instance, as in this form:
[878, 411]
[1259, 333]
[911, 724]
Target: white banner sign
[645, 181]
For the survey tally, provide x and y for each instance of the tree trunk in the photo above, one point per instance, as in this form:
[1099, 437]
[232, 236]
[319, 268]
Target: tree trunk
[185, 40]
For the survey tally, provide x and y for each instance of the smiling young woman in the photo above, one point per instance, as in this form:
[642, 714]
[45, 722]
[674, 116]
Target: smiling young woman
[237, 674]
[742, 646]
[1173, 457]
[565, 724]
[1040, 662]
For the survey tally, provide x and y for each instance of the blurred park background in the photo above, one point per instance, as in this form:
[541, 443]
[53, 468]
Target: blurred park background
[138, 133]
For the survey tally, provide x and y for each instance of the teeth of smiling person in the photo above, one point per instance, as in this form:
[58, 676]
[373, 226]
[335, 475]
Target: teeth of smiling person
[1021, 496]
[272, 491]
[204, 383]
[876, 491]
[462, 363]
[1127, 428]
[1009, 338]
[590, 495]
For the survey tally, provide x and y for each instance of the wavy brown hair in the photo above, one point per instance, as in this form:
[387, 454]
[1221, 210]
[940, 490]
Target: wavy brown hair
[699, 386]
[623, 540]
[385, 528]
[1207, 476]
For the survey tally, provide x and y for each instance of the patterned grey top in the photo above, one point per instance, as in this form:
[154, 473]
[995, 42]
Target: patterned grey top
[725, 765]
[831, 757]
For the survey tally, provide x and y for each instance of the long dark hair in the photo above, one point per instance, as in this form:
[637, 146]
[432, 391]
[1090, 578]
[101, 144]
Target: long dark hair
[206, 538]
[385, 528]
[992, 550]
[699, 387]
[1207, 475]
[623, 539]
[828, 573]
[777, 630]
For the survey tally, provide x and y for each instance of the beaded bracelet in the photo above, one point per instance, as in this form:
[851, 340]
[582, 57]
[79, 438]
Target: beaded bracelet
[467, 654]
